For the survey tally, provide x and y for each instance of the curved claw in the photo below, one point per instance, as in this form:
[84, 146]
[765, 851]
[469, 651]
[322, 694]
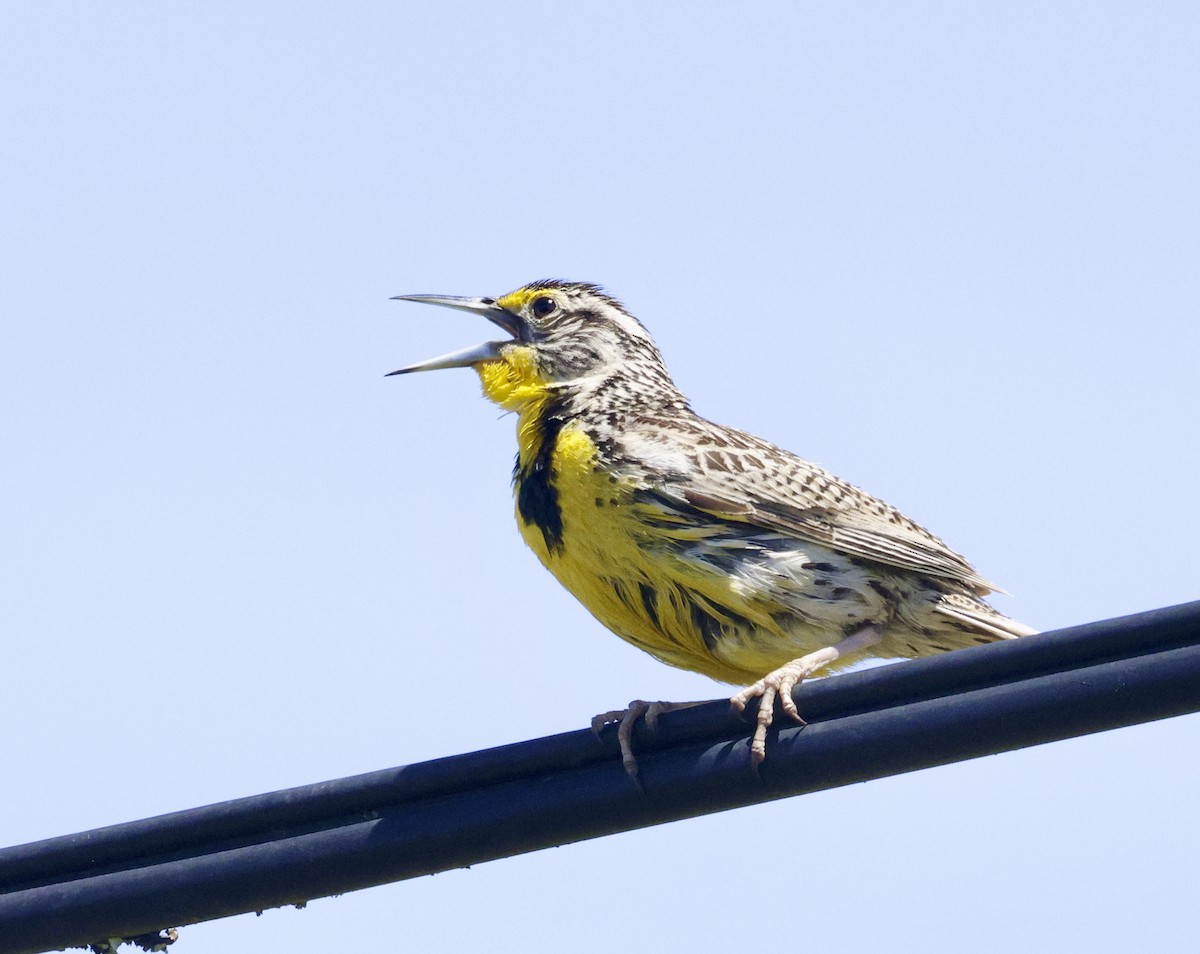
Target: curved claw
[626, 720]
[780, 683]
[604, 718]
[775, 685]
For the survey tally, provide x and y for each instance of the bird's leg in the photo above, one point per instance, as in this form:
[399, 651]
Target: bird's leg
[780, 683]
[627, 719]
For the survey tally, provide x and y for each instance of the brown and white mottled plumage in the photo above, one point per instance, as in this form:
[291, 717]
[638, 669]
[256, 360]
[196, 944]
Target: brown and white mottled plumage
[707, 547]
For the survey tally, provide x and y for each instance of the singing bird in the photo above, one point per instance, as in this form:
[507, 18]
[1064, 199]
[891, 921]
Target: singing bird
[705, 546]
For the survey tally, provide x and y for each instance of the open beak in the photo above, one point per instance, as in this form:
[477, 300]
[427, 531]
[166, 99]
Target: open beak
[467, 357]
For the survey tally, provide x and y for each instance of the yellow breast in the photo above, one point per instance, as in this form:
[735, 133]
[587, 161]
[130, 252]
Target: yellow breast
[587, 527]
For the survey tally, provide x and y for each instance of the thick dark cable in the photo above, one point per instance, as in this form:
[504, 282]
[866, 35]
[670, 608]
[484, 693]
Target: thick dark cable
[290, 846]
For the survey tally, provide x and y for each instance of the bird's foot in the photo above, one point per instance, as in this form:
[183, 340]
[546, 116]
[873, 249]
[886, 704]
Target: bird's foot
[780, 683]
[627, 718]
[774, 685]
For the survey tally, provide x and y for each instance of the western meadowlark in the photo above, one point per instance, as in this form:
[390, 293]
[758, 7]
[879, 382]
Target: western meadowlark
[705, 546]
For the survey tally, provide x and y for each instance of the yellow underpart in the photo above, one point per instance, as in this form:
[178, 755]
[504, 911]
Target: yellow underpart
[609, 553]
[513, 381]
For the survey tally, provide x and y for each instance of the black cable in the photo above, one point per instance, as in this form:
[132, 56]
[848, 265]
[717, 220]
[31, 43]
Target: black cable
[291, 846]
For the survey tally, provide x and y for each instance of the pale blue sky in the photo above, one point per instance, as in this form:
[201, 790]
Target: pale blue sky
[948, 250]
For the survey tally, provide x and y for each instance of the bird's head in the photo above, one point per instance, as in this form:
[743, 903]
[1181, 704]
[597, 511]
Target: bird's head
[565, 338]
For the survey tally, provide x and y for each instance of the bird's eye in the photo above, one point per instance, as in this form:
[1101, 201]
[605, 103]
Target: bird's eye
[544, 306]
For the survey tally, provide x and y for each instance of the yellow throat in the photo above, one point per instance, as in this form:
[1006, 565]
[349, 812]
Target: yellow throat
[585, 526]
